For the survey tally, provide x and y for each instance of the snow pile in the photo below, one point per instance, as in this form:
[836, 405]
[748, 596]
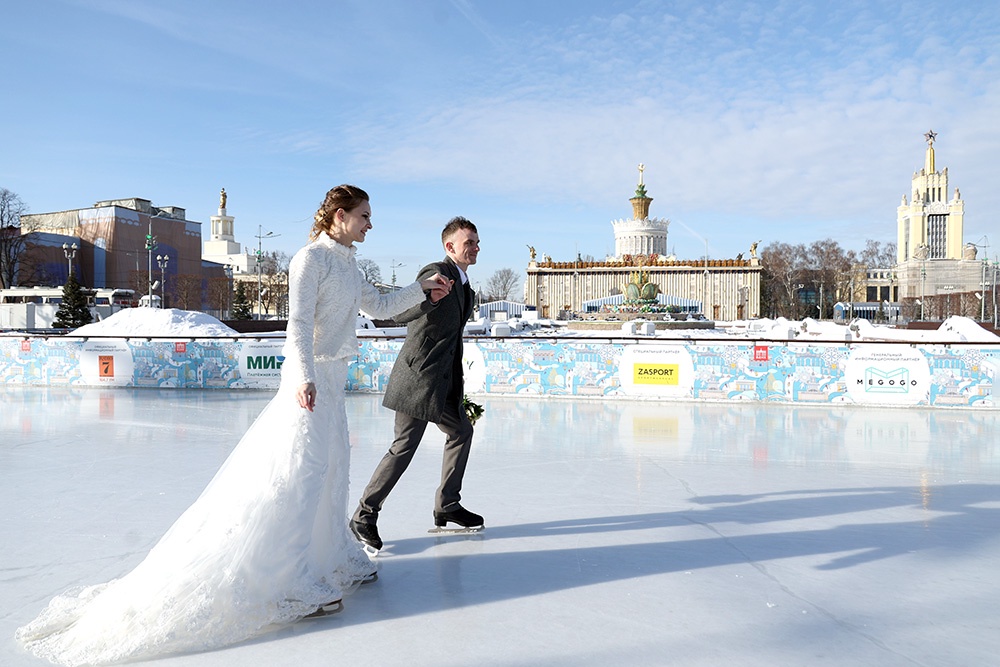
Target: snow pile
[968, 330]
[191, 324]
[157, 322]
[952, 330]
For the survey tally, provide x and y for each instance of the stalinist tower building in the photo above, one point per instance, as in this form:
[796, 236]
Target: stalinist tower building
[937, 272]
[641, 235]
[930, 225]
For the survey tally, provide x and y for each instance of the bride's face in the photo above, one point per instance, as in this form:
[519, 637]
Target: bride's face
[354, 224]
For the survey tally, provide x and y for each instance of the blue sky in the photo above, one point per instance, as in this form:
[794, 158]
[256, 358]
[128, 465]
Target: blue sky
[772, 121]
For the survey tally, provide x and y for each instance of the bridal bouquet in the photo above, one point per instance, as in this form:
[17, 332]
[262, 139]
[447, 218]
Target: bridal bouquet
[473, 410]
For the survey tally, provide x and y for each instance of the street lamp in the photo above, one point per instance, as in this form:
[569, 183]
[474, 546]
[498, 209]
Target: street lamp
[70, 252]
[150, 246]
[394, 266]
[923, 287]
[228, 269]
[162, 261]
[260, 236]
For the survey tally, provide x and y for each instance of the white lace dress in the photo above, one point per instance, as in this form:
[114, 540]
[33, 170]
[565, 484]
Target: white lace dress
[267, 542]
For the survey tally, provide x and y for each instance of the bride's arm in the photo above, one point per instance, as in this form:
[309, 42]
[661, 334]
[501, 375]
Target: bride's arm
[303, 293]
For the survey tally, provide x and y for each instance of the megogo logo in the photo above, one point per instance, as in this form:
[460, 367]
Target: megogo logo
[887, 382]
[655, 374]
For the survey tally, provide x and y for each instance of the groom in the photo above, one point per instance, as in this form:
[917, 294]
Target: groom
[426, 385]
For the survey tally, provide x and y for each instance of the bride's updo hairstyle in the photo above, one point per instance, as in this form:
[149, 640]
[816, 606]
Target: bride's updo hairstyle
[347, 197]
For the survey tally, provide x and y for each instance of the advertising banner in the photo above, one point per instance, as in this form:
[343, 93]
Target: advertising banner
[260, 364]
[107, 362]
[887, 375]
[656, 370]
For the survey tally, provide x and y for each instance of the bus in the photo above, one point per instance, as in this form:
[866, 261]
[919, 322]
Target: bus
[116, 297]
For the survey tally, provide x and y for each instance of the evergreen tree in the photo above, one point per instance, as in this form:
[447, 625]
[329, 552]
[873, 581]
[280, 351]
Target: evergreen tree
[241, 307]
[73, 311]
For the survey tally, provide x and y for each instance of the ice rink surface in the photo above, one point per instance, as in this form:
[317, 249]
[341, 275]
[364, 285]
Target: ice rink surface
[618, 533]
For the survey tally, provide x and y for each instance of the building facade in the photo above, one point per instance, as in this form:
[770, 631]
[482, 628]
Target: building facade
[222, 246]
[720, 289]
[123, 243]
[937, 274]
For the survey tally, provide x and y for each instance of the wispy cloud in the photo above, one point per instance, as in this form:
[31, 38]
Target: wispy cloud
[474, 18]
[735, 111]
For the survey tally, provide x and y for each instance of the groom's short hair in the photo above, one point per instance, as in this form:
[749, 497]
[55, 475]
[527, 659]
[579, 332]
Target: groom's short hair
[455, 224]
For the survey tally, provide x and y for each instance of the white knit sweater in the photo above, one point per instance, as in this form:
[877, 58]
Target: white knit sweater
[326, 291]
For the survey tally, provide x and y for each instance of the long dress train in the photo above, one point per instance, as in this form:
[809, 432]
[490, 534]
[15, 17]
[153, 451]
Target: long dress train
[266, 543]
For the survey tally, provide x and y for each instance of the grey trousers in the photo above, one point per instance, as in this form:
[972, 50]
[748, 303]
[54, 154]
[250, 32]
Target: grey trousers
[409, 431]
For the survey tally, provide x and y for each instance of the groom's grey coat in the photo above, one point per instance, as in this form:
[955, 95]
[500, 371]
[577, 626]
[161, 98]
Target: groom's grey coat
[431, 359]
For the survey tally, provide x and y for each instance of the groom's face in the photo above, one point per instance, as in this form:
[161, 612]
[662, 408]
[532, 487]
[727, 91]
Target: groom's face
[463, 247]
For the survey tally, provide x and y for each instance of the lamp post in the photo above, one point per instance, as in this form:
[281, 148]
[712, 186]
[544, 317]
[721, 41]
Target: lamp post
[162, 260]
[982, 290]
[995, 266]
[893, 298]
[281, 301]
[394, 266]
[260, 236]
[150, 245]
[709, 287]
[228, 269]
[949, 289]
[70, 252]
[923, 287]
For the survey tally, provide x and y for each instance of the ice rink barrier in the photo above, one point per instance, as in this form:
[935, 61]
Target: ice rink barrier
[900, 374]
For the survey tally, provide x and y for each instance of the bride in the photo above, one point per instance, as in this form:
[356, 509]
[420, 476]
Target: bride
[267, 542]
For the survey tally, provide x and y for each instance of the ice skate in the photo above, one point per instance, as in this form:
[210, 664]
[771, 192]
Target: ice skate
[367, 534]
[328, 609]
[468, 522]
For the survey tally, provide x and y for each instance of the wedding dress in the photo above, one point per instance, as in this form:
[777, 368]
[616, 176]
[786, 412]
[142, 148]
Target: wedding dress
[267, 542]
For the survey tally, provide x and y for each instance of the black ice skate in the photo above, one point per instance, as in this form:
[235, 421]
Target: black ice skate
[467, 521]
[367, 534]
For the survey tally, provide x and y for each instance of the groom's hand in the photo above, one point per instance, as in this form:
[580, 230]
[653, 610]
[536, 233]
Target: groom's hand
[438, 285]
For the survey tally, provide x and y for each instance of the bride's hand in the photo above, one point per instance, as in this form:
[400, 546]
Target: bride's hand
[438, 285]
[306, 396]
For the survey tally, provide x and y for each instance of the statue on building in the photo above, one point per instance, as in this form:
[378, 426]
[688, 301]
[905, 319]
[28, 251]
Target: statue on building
[531, 251]
[753, 249]
[222, 198]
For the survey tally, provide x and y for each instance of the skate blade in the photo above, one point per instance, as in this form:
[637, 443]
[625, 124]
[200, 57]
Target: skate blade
[324, 611]
[441, 530]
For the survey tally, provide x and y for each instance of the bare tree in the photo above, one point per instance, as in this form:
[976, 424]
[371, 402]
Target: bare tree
[370, 270]
[783, 266]
[187, 291]
[829, 270]
[220, 291]
[12, 240]
[501, 285]
[140, 280]
[274, 282]
[877, 255]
